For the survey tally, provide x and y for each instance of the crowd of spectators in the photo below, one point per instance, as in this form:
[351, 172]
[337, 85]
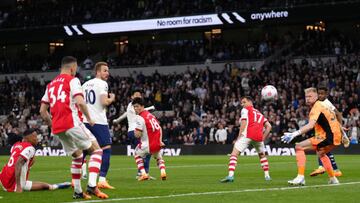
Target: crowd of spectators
[151, 54]
[203, 107]
[31, 13]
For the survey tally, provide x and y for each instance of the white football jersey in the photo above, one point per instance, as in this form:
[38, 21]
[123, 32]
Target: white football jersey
[329, 105]
[93, 89]
[131, 117]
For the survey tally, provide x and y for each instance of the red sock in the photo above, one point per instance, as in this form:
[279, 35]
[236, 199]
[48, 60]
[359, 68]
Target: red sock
[76, 173]
[232, 165]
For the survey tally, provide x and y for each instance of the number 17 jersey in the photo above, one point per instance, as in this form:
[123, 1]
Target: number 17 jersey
[60, 94]
[254, 123]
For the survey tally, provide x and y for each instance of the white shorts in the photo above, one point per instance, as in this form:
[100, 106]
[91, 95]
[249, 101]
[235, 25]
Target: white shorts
[243, 143]
[76, 138]
[143, 151]
[27, 186]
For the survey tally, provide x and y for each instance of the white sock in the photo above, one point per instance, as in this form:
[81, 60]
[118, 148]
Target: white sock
[142, 171]
[53, 187]
[102, 179]
[300, 176]
[231, 173]
[77, 186]
[266, 173]
[92, 179]
[83, 169]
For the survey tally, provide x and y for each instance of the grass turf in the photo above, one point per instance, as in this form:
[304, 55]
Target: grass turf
[196, 179]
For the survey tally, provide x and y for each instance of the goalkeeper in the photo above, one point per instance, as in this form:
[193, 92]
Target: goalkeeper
[328, 135]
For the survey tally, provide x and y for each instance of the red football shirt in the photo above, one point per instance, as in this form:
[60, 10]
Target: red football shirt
[60, 94]
[149, 125]
[7, 175]
[254, 123]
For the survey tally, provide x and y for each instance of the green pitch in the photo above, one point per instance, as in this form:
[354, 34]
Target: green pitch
[196, 179]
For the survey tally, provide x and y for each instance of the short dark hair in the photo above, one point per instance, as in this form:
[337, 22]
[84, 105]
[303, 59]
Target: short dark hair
[136, 90]
[139, 101]
[67, 60]
[247, 97]
[322, 87]
[29, 132]
[98, 66]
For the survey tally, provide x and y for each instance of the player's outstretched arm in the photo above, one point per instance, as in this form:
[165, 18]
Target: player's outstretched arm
[19, 164]
[45, 113]
[120, 118]
[83, 108]
[150, 108]
[288, 137]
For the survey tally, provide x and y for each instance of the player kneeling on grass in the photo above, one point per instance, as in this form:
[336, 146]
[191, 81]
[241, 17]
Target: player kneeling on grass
[13, 176]
[149, 131]
[251, 132]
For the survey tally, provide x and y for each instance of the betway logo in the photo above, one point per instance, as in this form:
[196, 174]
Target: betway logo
[47, 151]
[269, 15]
[278, 151]
[164, 152]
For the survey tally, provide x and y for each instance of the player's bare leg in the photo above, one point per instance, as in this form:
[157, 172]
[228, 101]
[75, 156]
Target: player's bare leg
[161, 164]
[46, 186]
[94, 168]
[300, 148]
[264, 165]
[231, 167]
[327, 163]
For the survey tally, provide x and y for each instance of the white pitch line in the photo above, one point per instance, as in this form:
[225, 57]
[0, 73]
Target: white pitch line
[215, 193]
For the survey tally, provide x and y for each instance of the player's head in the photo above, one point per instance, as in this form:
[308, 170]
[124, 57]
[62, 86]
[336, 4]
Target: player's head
[246, 101]
[322, 92]
[138, 104]
[311, 95]
[136, 94]
[102, 70]
[30, 135]
[69, 65]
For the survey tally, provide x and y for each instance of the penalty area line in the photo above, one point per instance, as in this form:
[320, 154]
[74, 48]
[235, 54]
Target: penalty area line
[215, 193]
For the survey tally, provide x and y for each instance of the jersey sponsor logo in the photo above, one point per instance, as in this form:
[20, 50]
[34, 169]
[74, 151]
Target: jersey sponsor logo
[164, 152]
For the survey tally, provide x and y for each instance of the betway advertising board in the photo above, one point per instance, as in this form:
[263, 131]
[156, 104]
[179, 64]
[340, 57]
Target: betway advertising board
[181, 150]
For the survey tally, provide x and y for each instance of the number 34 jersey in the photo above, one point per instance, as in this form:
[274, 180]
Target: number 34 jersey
[60, 94]
[93, 89]
[151, 131]
[254, 123]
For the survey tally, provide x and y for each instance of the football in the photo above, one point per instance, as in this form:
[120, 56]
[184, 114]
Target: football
[269, 92]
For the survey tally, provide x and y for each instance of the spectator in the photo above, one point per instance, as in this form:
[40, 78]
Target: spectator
[221, 134]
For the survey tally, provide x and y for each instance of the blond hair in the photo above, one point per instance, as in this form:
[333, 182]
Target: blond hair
[310, 89]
